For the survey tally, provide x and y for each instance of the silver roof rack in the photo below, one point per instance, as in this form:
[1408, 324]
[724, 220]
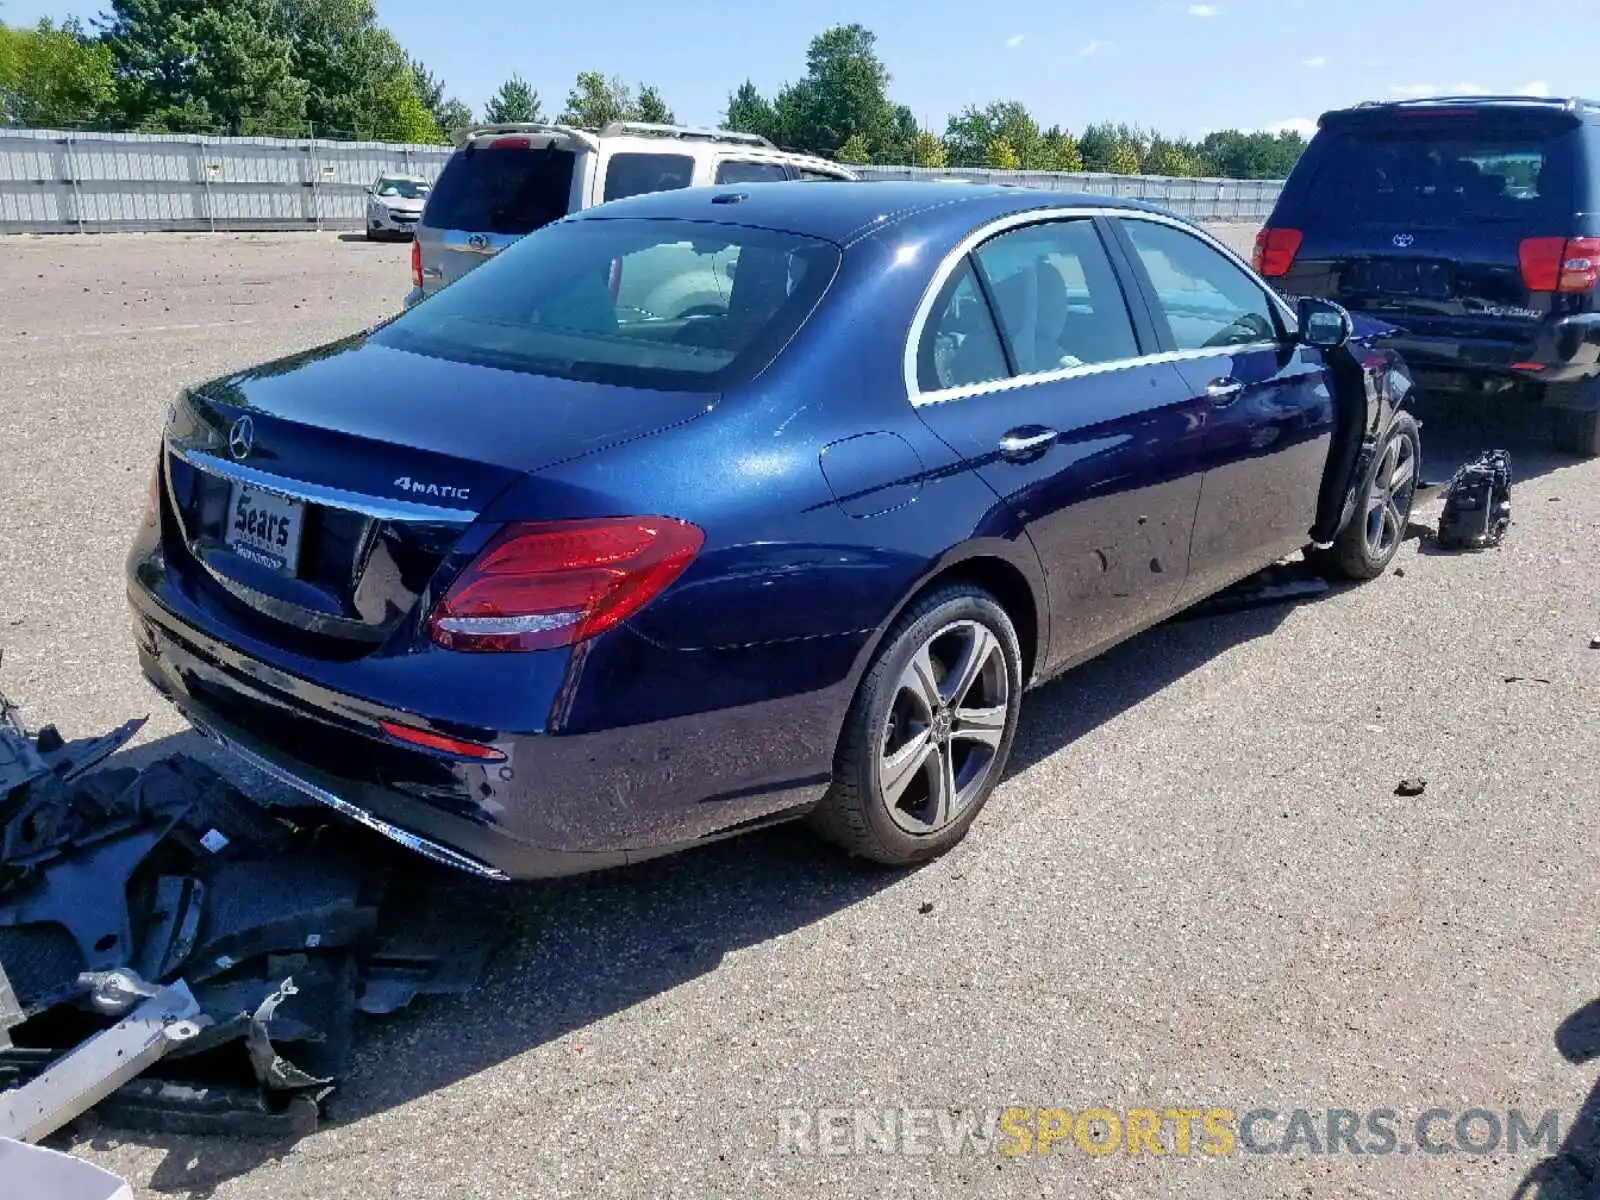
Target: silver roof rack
[1430, 101]
[687, 132]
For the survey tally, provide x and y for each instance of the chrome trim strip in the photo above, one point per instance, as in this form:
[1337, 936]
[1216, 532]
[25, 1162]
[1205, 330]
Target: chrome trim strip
[376, 507]
[411, 841]
[1032, 217]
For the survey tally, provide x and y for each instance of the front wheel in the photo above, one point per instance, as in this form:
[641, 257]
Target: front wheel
[926, 741]
[1371, 538]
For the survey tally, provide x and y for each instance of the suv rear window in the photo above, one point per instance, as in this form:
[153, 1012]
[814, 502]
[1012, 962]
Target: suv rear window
[507, 190]
[672, 305]
[1441, 173]
[633, 174]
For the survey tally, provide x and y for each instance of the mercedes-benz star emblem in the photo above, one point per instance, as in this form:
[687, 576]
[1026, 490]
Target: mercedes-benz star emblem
[242, 438]
[1404, 240]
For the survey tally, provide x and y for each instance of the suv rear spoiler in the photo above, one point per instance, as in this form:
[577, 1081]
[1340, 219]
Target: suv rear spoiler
[527, 129]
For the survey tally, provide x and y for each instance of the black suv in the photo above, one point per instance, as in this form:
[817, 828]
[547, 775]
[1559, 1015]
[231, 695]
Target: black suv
[1471, 225]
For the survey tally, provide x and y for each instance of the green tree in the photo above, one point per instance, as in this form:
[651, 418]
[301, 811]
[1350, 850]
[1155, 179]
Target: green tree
[206, 65]
[751, 112]
[513, 101]
[1060, 151]
[651, 107]
[54, 76]
[970, 132]
[1001, 155]
[1124, 158]
[1170, 158]
[1232, 154]
[855, 150]
[449, 114]
[357, 76]
[926, 150]
[843, 94]
[595, 101]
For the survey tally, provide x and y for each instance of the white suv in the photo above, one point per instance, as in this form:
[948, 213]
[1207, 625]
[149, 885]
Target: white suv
[505, 181]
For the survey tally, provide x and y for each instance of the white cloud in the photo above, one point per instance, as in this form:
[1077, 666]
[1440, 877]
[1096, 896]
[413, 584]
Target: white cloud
[1015, 40]
[1304, 126]
[1418, 90]
[1537, 88]
[1317, 63]
[1094, 47]
[1204, 10]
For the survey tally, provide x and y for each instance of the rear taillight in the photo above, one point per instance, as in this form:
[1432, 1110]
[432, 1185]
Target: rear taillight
[438, 742]
[510, 143]
[547, 584]
[1553, 264]
[1275, 251]
[416, 263]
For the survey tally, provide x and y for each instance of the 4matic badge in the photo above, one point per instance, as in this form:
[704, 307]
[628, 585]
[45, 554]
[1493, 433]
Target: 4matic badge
[418, 488]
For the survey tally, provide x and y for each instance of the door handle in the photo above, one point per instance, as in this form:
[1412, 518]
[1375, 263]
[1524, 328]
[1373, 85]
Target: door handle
[1223, 391]
[1027, 442]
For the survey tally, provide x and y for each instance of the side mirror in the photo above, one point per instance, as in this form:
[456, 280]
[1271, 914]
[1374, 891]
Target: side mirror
[1324, 324]
[369, 191]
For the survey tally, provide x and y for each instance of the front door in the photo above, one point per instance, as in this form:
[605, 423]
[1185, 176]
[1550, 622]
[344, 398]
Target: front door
[1267, 403]
[1032, 367]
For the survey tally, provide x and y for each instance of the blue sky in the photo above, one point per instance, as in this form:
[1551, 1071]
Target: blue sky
[1181, 67]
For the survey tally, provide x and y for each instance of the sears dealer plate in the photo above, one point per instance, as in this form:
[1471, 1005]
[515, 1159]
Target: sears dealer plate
[265, 528]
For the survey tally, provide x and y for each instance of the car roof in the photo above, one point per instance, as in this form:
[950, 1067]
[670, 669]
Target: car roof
[1423, 104]
[845, 212]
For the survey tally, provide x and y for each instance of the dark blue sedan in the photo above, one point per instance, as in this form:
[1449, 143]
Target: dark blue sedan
[715, 508]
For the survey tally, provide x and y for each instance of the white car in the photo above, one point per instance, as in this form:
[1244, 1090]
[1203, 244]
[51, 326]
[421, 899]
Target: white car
[505, 181]
[394, 205]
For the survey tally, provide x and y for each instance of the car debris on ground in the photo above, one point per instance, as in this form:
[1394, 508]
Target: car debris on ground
[1477, 503]
[183, 958]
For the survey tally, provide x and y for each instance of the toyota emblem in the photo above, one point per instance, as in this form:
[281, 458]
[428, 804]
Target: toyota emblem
[242, 438]
[1404, 240]
[478, 241]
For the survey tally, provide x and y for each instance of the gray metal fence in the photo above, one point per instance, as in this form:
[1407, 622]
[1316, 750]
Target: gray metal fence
[54, 181]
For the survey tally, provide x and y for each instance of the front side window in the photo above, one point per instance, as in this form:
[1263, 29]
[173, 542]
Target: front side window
[637, 174]
[1207, 300]
[734, 171]
[677, 305]
[1058, 299]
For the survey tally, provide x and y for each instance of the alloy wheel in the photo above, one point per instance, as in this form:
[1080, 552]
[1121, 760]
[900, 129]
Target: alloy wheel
[1389, 502]
[944, 729]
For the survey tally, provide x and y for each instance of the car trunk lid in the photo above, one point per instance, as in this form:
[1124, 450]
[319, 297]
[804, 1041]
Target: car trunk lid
[323, 494]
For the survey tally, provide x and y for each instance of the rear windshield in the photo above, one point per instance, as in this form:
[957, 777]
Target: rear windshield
[409, 189]
[635, 174]
[508, 190]
[1439, 174]
[674, 305]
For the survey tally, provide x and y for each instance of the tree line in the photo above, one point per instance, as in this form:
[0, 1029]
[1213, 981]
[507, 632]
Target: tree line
[327, 68]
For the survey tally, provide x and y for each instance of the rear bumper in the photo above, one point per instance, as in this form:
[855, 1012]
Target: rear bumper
[1560, 350]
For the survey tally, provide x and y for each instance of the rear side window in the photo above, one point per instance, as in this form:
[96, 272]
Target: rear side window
[1057, 297]
[733, 171]
[631, 174]
[1442, 173]
[706, 305]
[509, 190]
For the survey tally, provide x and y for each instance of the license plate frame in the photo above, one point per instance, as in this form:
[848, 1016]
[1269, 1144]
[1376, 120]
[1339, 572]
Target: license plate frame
[265, 527]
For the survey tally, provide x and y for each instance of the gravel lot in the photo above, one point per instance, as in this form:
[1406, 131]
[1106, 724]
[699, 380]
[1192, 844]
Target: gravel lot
[1196, 889]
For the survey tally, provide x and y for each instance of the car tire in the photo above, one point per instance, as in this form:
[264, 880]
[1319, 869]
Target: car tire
[1371, 538]
[938, 708]
[1576, 431]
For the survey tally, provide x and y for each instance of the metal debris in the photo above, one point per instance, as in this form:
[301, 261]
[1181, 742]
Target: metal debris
[157, 922]
[34, 1171]
[1477, 503]
[1281, 583]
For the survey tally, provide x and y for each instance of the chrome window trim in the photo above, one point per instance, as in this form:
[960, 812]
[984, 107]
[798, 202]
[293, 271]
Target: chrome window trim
[377, 507]
[953, 260]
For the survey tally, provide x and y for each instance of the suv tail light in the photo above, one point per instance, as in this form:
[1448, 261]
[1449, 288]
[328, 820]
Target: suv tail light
[416, 263]
[1275, 251]
[1553, 264]
[540, 585]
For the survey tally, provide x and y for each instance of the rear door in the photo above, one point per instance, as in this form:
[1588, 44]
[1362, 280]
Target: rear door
[1265, 404]
[490, 195]
[1033, 367]
[1419, 215]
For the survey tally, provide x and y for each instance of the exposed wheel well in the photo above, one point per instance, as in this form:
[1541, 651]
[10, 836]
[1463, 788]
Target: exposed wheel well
[1006, 584]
